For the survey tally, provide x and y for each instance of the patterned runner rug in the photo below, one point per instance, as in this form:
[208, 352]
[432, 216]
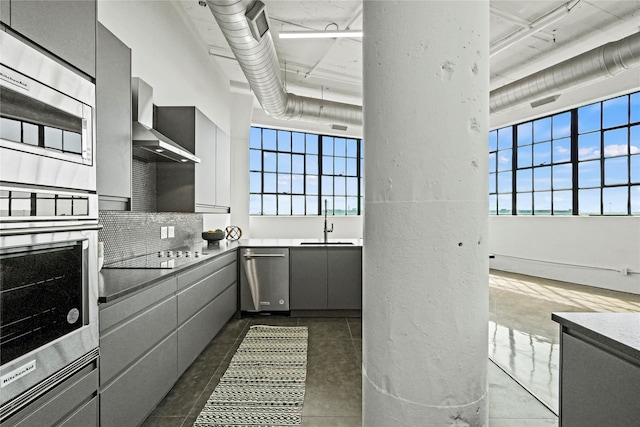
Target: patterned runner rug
[264, 383]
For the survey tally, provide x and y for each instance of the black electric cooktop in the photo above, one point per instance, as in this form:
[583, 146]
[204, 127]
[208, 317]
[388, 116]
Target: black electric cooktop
[161, 259]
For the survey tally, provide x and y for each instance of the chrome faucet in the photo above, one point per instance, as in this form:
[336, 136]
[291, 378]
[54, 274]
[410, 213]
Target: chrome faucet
[326, 230]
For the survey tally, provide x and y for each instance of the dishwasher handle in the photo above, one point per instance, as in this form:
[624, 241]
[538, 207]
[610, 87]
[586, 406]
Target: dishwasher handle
[263, 255]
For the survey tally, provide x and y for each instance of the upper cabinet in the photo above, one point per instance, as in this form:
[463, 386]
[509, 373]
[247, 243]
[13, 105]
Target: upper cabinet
[66, 28]
[113, 121]
[195, 187]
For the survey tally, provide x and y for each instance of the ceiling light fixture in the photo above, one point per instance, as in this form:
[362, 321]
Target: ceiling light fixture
[331, 34]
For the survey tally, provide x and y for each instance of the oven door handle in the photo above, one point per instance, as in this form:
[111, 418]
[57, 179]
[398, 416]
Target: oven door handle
[39, 230]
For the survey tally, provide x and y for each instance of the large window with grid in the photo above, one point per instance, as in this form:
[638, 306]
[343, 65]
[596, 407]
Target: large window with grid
[293, 173]
[585, 161]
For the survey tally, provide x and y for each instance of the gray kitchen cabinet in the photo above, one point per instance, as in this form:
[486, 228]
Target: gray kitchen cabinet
[73, 402]
[113, 121]
[66, 28]
[326, 278]
[5, 12]
[188, 187]
[206, 300]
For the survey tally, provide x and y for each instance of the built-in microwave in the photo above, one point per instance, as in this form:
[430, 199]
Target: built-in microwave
[46, 120]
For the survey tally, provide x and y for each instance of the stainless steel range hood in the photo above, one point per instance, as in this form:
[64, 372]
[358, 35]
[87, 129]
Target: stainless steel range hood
[151, 144]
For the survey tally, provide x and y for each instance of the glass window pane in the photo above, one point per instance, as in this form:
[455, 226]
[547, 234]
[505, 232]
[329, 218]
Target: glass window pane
[615, 171]
[255, 138]
[269, 139]
[352, 148]
[589, 174]
[504, 160]
[504, 204]
[589, 118]
[505, 182]
[53, 138]
[635, 200]
[493, 140]
[525, 133]
[269, 161]
[297, 184]
[297, 163]
[312, 143]
[284, 162]
[615, 112]
[255, 183]
[562, 202]
[72, 142]
[635, 107]
[352, 167]
[297, 205]
[312, 184]
[269, 204]
[352, 186]
[329, 205]
[255, 160]
[340, 166]
[542, 153]
[524, 181]
[614, 201]
[269, 182]
[284, 140]
[525, 156]
[562, 176]
[562, 125]
[492, 183]
[505, 137]
[524, 203]
[616, 143]
[589, 146]
[340, 148]
[589, 202]
[284, 204]
[542, 203]
[284, 183]
[312, 205]
[340, 186]
[492, 162]
[542, 179]
[635, 168]
[542, 130]
[352, 206]
[634, 140]
[327, 165]
[30, 134]
[312, 164]
[327, 186]
[493, 205]
[562, 150]
[297, 139]
[10, 130]
[327, 146]
[339, 205]
[255, 205]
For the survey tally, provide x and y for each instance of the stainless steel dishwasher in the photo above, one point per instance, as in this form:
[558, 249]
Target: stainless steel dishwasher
[264, 279]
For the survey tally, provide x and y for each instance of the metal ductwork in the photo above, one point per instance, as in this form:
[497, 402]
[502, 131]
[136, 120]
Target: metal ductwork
[245, 26]
[605, 61]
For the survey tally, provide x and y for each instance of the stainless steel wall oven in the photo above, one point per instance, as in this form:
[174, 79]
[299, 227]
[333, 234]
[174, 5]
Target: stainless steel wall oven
[48, 225]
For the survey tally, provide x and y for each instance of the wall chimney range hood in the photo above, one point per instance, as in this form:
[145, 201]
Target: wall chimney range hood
[148, 143]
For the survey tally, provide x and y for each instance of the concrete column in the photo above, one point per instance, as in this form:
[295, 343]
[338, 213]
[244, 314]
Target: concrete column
[425, 295]
[241, 111]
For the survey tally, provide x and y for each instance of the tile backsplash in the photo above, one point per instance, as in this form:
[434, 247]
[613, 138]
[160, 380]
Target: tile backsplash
[130, 234]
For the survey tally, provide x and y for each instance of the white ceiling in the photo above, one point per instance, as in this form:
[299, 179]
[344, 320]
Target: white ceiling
[332, 68]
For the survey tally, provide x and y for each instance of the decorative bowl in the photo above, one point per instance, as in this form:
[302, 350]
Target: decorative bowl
[212, 236]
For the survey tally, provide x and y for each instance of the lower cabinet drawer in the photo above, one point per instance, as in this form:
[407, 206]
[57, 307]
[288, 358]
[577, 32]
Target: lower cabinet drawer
[133, 395]
[85, 417]
[197, 332]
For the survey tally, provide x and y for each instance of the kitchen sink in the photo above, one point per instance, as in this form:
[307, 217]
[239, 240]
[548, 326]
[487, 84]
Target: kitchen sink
[326, 243]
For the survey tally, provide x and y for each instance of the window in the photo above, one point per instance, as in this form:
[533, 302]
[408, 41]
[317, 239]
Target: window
[581, 162]
[293, 173]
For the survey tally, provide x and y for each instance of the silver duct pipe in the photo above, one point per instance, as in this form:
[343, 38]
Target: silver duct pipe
[257, 57]
[605, 61]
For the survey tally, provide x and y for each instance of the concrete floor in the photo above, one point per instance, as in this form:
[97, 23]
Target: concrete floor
[523, 344]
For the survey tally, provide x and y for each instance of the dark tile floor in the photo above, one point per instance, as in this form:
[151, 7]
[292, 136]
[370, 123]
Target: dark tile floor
[333, 388]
